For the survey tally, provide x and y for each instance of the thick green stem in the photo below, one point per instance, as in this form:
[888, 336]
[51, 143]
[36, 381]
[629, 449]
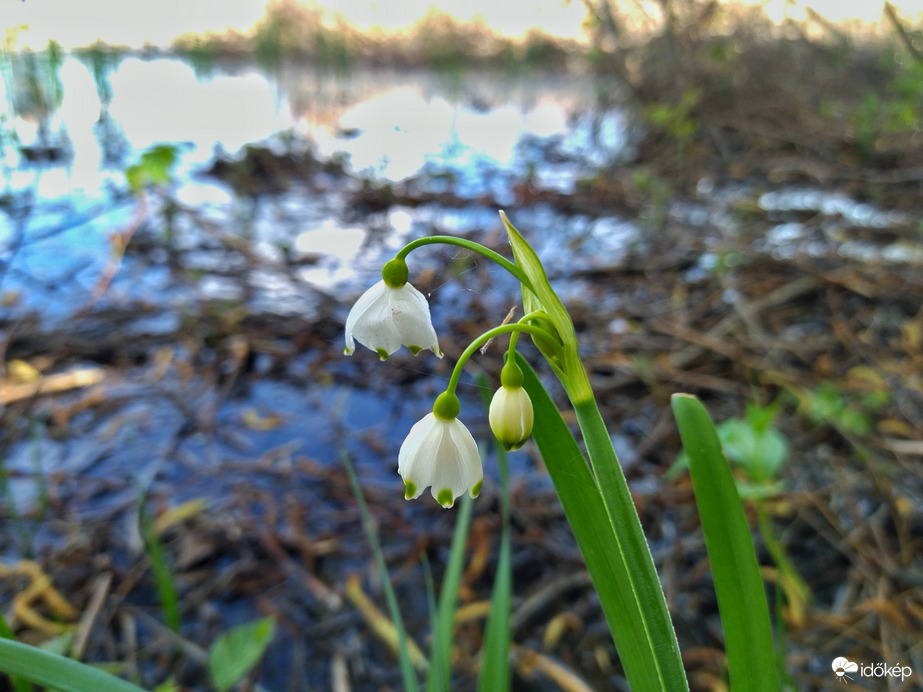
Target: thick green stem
[632, 545]
[518, 273]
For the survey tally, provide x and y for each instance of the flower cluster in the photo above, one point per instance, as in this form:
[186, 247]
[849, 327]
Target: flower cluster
[439, 452]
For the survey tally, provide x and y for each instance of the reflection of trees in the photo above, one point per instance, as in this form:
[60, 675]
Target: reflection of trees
[102, 60]
[34, 90]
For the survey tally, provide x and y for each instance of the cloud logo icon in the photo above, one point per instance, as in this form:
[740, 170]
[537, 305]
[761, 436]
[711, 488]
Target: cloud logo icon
[841, 666]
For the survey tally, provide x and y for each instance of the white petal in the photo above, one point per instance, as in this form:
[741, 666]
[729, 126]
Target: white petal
[384, 318]
[365, 303]
[410, 311]
[414, 461]
[458, 463]
[369, 322]
[442, 455]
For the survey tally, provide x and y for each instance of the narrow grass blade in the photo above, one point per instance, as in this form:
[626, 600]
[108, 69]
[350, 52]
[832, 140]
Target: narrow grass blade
[441, 658]
[56, 672]
[407, 671]
[163, 572]
[430, 599]
[495, 674]
[624, 577]
[739, 587]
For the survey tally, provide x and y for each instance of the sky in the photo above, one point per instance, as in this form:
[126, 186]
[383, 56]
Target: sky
[134, 22]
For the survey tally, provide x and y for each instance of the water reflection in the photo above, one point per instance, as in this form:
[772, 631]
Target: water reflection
[165, 101]
[388, 126]
[477, 142]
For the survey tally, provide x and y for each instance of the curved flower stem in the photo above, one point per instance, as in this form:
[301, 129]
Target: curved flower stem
[511, 350]
[529, 316]
[515, 328]
[518, 273]
[525, 319]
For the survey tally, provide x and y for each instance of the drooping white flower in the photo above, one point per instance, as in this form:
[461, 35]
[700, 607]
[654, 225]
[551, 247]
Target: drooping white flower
[511, 416]
[443, 455]
[386, 317]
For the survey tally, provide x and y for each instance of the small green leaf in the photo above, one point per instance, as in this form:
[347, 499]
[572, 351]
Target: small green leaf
[237, 651]
[154, 168]
[168, 685]
[761, 451]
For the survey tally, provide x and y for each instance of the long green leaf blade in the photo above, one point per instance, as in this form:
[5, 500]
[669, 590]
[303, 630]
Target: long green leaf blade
[56, 672]
[738, 585]
[440, 670]
[625, 581]
[164, 577]
[407, 670]
[495, 673]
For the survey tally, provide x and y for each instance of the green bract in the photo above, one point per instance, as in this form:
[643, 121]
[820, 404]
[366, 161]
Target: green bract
[540, 300]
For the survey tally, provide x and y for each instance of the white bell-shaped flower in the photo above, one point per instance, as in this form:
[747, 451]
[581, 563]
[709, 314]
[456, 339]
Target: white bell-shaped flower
[511, 416]
[440, 453]
[386, 317]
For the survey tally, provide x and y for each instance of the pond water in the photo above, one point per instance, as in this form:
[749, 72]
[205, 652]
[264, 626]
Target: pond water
[476, 138]
[65, 204]
[308, 250]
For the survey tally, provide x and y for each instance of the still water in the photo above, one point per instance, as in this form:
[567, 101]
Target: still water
[476, 135]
